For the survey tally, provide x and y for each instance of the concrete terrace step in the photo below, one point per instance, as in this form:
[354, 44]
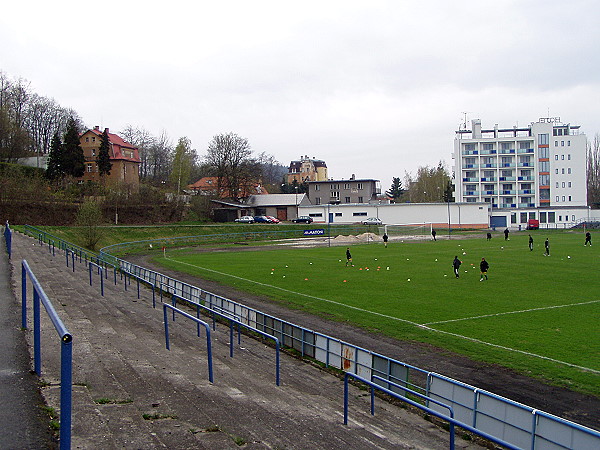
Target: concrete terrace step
[159, 398]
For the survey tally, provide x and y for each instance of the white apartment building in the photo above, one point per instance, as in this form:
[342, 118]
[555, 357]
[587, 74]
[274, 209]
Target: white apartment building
[534, 172]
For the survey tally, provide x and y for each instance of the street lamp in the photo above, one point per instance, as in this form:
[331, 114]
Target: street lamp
[296, 201]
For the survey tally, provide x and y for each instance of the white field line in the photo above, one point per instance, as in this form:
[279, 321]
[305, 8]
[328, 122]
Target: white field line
[512, 312]
[422, 326]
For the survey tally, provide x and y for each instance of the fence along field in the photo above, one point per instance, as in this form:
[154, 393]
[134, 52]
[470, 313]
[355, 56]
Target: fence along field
[535, 314]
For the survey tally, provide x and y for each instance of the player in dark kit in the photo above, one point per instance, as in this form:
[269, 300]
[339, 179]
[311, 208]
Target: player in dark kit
[385, 239]
[530, 243]
[348, 256]
[588, 238]
[506, 234]
[483, 266]
[456, 264]
[547, 247]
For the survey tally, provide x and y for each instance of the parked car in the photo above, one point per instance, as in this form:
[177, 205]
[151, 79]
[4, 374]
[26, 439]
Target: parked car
[245, 219]
[261, 219]
[303, 219]
[372, 221]
[273, 219]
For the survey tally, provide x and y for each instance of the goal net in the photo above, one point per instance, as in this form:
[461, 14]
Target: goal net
[409, 229]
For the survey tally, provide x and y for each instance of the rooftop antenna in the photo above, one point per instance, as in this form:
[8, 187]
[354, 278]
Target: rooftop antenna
[464, 124]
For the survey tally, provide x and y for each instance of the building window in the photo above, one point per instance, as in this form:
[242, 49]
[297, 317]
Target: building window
[360, 199]
[557, 198]
[543, 217]
[573, 217]
[562, 157]
[532, 215]
[563, 198]
[544, 166]
[337, 214]
[359, 186]
[93, 139]
[317, 187]
[89, 168]
[316, 215]
[569, 184]
[87, 139]
[513, 218]
[317, 200]
[359, 214]
[335, 194]
[470, 147]
[569, 170]
[524, 217]
[471, 199]
[556, 157]
[346, 185]
[551, 217]
[570, 200]
[542, 139]
[562, 143]
[544, 180]
[556, 171]
[557, 184]
[93, 152]
[569, 157]
[560, 218]
[563, 170]
[346, 199]
[563, 184]
[568, 143]
[544, 152]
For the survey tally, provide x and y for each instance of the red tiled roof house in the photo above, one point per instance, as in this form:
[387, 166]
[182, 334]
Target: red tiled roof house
[124, 157]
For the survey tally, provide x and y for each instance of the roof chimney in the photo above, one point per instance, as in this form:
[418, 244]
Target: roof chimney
[97, 128]
[106, 130]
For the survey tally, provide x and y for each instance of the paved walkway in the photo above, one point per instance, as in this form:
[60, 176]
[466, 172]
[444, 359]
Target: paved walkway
[130, 392]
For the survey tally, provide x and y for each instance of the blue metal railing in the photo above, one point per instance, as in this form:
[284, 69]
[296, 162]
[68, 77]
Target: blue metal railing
[241, 324]
[66, 354]
[448, 419]
[199, 322]
[8, 239]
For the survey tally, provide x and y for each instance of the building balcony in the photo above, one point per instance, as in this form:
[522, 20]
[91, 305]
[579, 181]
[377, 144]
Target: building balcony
[508, 151]
[471, 179]
[487, 152]
[525, 150]
[508, 192]
[507, 164]
[470, 166]
[507, 179]
[490, 192]
[469, 193]
[525, 164]
[489, 179]
[526, 192]
[508, 205]
[528, 178]
[488, 165]
[469, 152]
[526, 205]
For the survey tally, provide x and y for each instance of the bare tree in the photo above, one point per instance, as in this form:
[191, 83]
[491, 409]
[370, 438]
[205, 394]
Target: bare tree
[226, 156]
[431, 184]
[593, 172]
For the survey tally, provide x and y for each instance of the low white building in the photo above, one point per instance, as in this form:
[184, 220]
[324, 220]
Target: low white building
[458, 215]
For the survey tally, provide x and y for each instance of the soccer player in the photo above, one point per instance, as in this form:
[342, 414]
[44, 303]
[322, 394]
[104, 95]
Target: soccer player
[588, 239]
[348, 256]
[489, 236]
[385, 239]
[456, 264]
[433, 233]
[506, 234]
[530, 243]
[546, 247]
[483, 266]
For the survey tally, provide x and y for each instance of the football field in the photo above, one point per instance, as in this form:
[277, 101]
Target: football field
[537, 314]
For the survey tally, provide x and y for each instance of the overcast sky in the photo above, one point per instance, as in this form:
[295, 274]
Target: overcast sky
[373, 88]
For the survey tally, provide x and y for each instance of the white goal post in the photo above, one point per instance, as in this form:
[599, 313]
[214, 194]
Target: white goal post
[408, 229]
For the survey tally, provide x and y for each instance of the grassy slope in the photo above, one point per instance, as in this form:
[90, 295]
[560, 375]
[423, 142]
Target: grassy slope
[519, 280]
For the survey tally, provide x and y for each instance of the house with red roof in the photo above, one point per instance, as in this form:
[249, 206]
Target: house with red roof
[124, 157]
[210, 186]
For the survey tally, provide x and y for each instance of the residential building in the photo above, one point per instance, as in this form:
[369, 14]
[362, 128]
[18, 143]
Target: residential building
[343, 191]
[532, 172]
[282, 206]
[124, 158]
[307, 169]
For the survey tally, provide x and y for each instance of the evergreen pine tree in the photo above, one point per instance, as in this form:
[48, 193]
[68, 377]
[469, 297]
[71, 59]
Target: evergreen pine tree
[55, 159]
[103, 159]
[73, 159]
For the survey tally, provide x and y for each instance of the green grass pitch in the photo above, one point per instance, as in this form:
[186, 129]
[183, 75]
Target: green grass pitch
[539, 315]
